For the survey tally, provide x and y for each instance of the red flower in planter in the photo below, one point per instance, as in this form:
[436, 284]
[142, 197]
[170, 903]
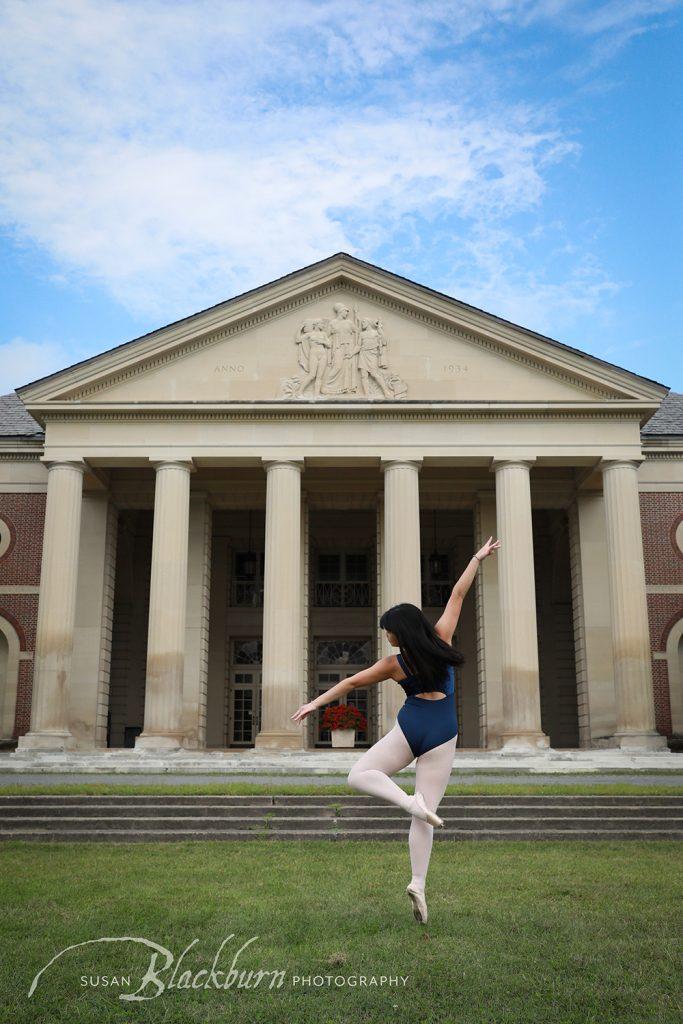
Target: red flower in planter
[343, 716]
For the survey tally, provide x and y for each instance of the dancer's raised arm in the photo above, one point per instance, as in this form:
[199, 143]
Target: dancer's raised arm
[445, 626]
[376, 673]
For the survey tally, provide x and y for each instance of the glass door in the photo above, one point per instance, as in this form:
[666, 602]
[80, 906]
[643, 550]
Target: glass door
[337, 660]
[244, 717]
[243, 693]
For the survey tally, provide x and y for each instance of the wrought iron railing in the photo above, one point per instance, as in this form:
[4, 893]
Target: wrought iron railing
[341, 594]
[247, 592]
[435, 594]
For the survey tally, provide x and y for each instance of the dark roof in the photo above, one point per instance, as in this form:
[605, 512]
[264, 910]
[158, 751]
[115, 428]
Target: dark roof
[668, 420]
[16, 421]
[361, 263]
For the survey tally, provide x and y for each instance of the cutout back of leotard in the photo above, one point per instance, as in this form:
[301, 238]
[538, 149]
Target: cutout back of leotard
[411, 684]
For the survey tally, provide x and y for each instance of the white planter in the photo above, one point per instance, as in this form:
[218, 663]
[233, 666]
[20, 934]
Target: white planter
[343, 737]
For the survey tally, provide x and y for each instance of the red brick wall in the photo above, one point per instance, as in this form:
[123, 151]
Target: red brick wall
[660, 513]
[25, 516]
[20, 566]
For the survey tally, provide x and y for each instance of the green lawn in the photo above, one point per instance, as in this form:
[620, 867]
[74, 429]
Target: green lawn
[518, 932]
[337, 788]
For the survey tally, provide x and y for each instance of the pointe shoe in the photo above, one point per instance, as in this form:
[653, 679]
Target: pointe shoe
[420, 810]
[419, 903]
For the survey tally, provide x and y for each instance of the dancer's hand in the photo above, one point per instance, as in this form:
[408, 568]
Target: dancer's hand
[489, 547]
[303, 711]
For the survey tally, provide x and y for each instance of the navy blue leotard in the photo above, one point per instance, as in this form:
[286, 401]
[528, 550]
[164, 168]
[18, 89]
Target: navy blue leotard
[427, 723]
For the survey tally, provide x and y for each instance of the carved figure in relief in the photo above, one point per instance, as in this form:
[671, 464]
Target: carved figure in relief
[344, 333]
[344, 355]
[315, 354]
[372, 355]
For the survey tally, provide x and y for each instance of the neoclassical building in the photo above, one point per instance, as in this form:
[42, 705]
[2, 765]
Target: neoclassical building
[200, 528]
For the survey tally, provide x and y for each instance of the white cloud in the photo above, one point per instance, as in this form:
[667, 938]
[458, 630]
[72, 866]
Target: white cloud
[492, 269]
[180, 153]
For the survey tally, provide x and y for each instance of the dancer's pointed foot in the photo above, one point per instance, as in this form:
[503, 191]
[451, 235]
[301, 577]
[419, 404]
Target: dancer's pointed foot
[419, 808]
[417, 898]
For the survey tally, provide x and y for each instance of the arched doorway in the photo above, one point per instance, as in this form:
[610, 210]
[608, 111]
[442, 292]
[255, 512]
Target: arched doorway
[674, 661]
[9, 678]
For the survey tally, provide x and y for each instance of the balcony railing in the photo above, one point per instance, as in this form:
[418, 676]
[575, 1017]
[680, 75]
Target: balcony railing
[247, 592]
[341, 594]
[335, 594]
[435, 594]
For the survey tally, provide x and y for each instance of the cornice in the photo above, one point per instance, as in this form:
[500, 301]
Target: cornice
[18, 456]
[288, 410]
[274, 301]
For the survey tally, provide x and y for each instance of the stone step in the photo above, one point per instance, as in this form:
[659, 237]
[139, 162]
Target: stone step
[172, 835]
[325, 799]
[96, 809]
[308, 823]
[131, 817]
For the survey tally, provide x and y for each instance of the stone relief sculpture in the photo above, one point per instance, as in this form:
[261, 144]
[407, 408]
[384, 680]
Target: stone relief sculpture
[344, 355]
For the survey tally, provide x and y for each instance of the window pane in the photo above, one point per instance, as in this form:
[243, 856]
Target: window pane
[247, 652]
[343, 652]
[357, 567]
[246, 565]
[328, 567]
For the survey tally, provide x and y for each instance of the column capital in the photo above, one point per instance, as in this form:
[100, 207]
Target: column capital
[296, 461]
[54, 463]
[386, 462]
[503, 463]
[633, 463]
[186, 464]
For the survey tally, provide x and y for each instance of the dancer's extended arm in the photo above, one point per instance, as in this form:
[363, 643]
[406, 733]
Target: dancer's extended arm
[367, 676]
[445, 626]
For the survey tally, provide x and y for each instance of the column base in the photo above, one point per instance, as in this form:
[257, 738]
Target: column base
[159, 741]
[523, 742]
[48, 740]
[650, 740]
[278, 741]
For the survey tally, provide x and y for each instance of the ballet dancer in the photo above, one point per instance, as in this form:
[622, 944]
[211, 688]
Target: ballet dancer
[426, 727]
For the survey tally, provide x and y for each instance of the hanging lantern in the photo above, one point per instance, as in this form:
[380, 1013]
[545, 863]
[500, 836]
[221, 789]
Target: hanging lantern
[434, 558]
[250, 561]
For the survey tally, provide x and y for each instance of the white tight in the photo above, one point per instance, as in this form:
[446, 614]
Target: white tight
[370, 774]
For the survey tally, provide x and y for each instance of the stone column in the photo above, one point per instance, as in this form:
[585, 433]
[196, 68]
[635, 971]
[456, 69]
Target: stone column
[519, 639]
[401, 563]
[592, 621]
[630, 632]
[488, 625]
[56, 610]
[91, 659]
[197, 622]
[282, 627]
[163, 725]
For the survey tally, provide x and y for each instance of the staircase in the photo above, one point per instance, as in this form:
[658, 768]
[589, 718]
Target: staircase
[170, 817]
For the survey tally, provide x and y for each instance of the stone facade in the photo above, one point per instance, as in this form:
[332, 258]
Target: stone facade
[199, 529]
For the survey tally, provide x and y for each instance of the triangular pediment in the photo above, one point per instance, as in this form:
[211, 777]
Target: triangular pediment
[340, 330]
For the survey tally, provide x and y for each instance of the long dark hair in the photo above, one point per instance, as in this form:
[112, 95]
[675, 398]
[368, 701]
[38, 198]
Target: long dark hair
[424, 651]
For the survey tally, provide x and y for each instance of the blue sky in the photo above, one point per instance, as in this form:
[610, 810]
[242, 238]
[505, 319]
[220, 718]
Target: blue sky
[159, 157]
